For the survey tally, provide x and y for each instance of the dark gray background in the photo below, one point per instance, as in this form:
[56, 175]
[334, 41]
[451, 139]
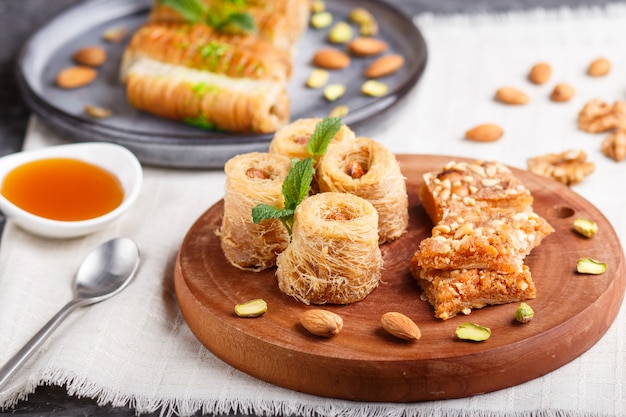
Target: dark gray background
[20, 18]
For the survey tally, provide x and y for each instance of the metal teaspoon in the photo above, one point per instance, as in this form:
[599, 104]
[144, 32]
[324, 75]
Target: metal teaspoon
[106, 271]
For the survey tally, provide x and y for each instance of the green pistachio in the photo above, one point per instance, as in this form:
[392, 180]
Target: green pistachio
[524, 313]
[333, 91]
[321, 20]
[252, 308]
[585, 227]
[590, 266]
[472, 332]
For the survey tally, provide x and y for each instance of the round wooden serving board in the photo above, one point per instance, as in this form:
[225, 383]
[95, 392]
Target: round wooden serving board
[362, 362]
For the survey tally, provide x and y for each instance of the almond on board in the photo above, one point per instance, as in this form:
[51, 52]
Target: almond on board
[511, 95]
[74, 77]
[329, 58]
[487, 132]
[385, 65]
[540, 73]
[92, 56]
[367, 46]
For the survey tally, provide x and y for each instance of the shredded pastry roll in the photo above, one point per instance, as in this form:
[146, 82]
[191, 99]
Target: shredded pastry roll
[366, 168]
[207, 99]
[334, 255]
[292, 139]
[252, 179]
[279, 22]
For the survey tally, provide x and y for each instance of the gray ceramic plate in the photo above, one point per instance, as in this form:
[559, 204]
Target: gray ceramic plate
[166, 143]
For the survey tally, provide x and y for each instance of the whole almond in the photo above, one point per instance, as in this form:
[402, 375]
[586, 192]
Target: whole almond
[599, 67]
[92, 56]
[511, 95]
[74, 77]
[385, 65]
[329, 58]
[562, 92]
[400, 326]
[540, 73]
[367, 46]
[487, 132]
[321, 322]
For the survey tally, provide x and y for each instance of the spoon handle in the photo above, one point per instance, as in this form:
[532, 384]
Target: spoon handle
[37, 340]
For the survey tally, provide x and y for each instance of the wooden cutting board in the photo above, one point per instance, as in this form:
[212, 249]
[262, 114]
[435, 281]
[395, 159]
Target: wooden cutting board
[363, 363]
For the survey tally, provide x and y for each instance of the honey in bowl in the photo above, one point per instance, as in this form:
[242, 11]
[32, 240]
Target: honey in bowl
[63, 189]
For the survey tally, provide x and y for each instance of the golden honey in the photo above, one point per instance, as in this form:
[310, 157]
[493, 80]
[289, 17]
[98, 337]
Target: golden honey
[63, 189]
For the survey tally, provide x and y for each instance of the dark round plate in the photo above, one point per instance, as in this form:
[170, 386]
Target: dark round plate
[162, 142]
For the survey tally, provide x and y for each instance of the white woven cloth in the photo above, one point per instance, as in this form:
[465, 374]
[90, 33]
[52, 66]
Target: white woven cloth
[136, 349]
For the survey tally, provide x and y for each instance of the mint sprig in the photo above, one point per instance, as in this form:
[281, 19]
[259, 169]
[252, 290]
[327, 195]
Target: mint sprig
[297, 183]
[194, 11]
[295, 188]
[324, 132]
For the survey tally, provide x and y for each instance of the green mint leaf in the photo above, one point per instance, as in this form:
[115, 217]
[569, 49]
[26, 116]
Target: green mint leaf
[324, 132]
[266, 212]
[236, 22]
[297, 184]
[192, 10]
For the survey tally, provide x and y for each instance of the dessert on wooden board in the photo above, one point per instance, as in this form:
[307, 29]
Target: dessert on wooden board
[252, 179]
[333, 257]
[484, 227]
[484, 224]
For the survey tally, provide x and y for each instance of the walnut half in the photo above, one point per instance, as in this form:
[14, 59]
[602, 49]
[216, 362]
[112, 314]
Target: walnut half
[598, 116]
[568, 167]
[614, 145]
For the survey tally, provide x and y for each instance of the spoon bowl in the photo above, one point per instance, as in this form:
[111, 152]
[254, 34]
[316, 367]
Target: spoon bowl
[106, 271]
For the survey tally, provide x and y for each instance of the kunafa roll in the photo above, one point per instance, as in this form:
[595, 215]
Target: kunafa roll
[366, 168]
[292, 139]
[334, 257]
[280, 22]
[205, 99]
[252, 179]
[202, 47]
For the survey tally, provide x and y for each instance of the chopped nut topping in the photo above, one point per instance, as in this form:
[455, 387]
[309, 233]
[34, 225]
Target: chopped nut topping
[337, 215]
[569, 167]
[614, 146]
[256, 173]
[598, 116]
[355, 170]
[301, 140]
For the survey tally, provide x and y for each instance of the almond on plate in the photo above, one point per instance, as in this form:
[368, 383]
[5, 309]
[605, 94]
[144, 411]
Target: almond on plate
[599, 67]
[367, 46]
[329, 58]
[385, 65]
[74, 77]
[92, 56]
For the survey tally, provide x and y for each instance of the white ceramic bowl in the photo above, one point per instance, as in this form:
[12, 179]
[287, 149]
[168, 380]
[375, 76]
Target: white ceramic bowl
[114, 158]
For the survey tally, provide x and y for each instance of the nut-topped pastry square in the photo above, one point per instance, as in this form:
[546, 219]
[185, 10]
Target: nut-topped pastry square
[455, 291]
[482, 237]
[479, 183]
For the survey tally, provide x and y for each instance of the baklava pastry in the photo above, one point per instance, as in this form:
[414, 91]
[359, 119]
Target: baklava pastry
[202, 47]
[467, 184]
[454, 291]
[366, 168]
[291, 140]
[205, 99]
[480, 237]
[334, 257]
[252, 179]
[279, 22]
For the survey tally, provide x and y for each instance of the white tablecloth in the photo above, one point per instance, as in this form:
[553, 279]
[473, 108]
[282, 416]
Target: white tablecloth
[136, 349]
